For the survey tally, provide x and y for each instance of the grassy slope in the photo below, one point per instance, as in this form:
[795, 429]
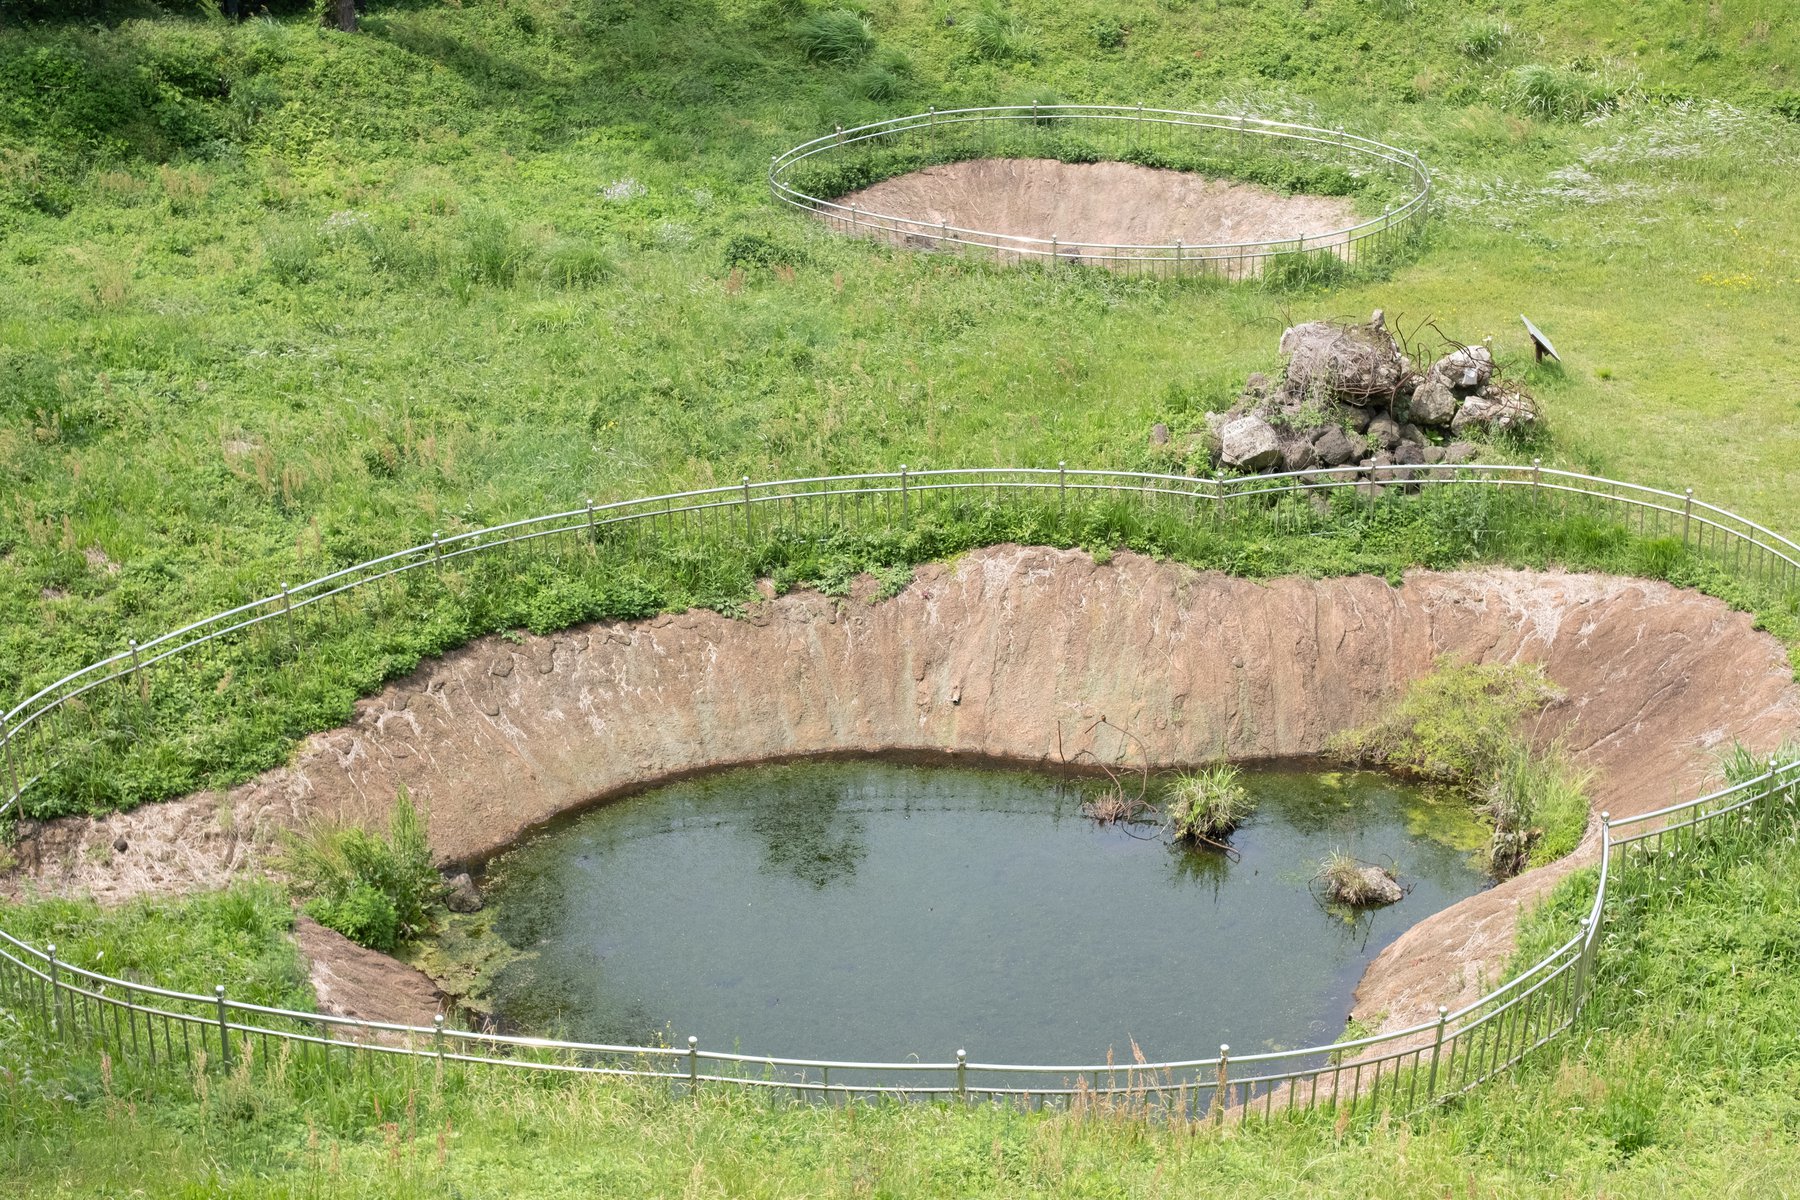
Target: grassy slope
[205, 383]
[206, 380]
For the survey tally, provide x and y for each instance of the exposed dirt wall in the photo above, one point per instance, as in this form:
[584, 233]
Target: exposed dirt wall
[1111, 203]
[1013, 653]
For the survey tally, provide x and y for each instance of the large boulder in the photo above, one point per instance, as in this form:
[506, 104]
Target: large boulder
[1334, 447]
[1362, 886]
[1434, 403]
[1298, 454]
[1360, 364]
[1249, 443]
[463, 896]
[1492, 410]
[1385, 430]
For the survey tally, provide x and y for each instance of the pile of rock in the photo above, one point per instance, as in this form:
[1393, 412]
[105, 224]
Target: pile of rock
[1350, 397]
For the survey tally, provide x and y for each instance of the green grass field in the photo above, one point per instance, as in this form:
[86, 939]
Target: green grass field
[278, 299]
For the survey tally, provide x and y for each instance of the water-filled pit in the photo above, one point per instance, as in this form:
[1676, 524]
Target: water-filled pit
[875, 910]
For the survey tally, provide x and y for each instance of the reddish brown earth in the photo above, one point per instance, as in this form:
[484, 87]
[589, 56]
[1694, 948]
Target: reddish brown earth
[1105, 203]
[366, 985]
[1012, 653]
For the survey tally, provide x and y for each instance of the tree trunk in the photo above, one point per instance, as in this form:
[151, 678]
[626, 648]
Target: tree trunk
[346, 15]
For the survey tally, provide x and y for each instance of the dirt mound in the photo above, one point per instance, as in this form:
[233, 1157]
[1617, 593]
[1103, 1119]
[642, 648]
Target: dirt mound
[1011, 653]
[1111, 203]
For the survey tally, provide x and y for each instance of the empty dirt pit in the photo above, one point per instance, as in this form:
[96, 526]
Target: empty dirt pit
[1009, 653]
[1105, 203]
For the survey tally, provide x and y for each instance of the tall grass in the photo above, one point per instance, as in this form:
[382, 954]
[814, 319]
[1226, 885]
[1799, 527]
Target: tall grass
[1538, 803]
[1560, 93]
[996, 33]
[377, 891]
[835, 36]
[1206, 804]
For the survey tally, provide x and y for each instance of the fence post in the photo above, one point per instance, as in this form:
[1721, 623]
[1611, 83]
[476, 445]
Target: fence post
[1055, 254]
[55, 993]
[1687, 515]
[12, 769]
[1222, 1090]
[1537, 482]
[287, 608]
[437, 547]
[593, 530]
[749, 529]
[224, 1029]
[693, 1065]
[1437, 1049]
[437, 1038]
[903, 500]
[962, 1076]
[1062, 486]
[1581, 966]
[1177, 258]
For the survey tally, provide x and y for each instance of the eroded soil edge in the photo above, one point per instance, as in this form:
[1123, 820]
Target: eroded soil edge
[1010, 652]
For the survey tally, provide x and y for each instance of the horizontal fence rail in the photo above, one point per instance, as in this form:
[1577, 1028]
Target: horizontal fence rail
[817, 176]
[1400, 1070]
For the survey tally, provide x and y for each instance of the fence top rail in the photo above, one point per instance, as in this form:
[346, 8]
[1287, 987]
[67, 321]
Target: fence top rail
[1009, 112]
[1368, 148]
[162, 645]
[765, 491]
[1780, 774]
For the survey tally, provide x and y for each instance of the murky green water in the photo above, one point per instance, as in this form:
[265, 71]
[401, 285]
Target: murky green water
[871, 910]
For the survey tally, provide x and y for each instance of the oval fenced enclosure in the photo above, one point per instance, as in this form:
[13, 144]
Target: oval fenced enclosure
[60, 742]
[818, 176]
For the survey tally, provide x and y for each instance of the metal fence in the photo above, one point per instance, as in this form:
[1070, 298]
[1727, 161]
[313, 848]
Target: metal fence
[1401, 1071]
[847, 160]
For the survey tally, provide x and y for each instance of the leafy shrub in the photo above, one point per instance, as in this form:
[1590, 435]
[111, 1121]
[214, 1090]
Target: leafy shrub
[1787, 104]
[835, 36]
[1457, 725]
[758, 250]
[362, 914]
[1108, 31]
[1484, 37]
[1208, 803]
[996, 34]
[376, 891]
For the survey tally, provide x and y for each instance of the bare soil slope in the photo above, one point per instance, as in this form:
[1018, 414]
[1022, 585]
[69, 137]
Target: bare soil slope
[1010, 652]
[1106, 202]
